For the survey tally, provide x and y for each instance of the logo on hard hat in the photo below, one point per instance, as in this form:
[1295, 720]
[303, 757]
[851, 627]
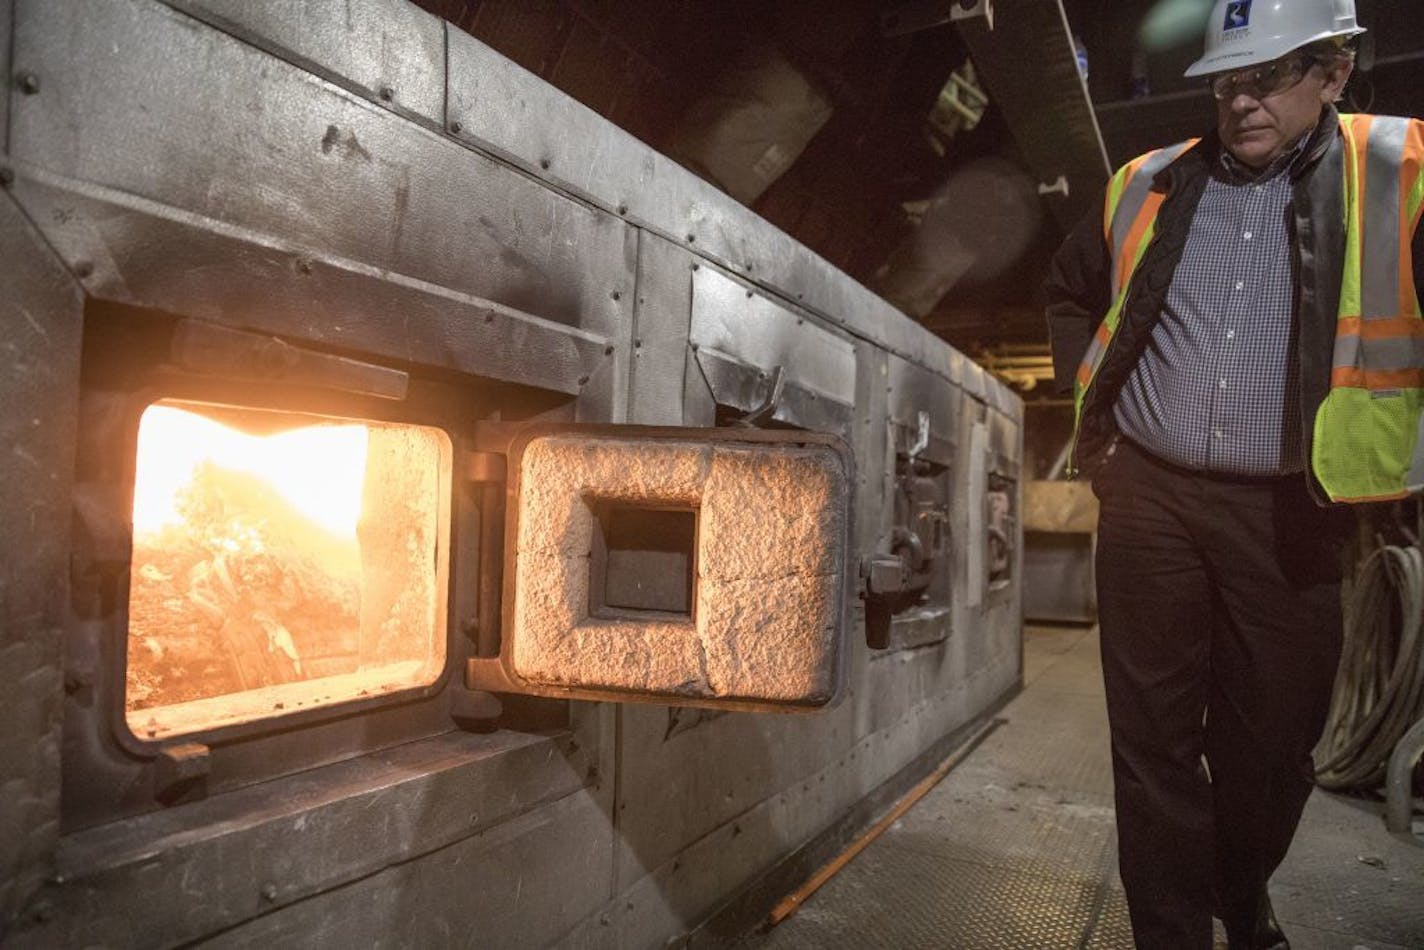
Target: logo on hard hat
[1238, 15]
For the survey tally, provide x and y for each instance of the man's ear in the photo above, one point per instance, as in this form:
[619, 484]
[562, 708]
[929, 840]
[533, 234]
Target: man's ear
[1337, 73]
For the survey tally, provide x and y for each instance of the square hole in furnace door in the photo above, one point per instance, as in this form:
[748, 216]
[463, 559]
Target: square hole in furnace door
[643, 560]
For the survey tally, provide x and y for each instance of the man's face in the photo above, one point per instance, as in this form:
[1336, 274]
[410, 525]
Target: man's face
[1263, 110]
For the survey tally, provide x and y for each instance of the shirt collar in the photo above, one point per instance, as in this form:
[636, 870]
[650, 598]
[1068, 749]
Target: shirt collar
[1237, 172]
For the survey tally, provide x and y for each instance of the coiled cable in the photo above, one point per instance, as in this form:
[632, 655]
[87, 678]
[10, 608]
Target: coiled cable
[1379, 689]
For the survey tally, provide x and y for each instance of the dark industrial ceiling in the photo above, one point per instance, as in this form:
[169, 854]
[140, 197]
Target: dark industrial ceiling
[835, 110]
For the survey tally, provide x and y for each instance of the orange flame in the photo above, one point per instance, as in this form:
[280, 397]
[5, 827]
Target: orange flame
[302, 465]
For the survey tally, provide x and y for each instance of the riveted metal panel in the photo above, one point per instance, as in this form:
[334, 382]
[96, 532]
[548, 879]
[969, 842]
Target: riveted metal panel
[40, 320]
[354, 819]
[743, 338]
[140, 253]
[388, 50]
[479, 893]
[806, 793]
[662, 314]
[872, 447]
[511, 112]
[230, 138]
[1005, 442]
[912, 390]
[679, 785]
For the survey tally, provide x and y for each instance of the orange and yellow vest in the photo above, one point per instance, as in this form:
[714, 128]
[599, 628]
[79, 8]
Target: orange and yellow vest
[1366, 443]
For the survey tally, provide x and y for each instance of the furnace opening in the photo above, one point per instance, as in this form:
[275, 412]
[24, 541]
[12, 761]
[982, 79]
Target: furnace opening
[281, 562]
[643, 559]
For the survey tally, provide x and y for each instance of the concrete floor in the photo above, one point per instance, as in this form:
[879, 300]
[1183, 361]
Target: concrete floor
[1016, 847]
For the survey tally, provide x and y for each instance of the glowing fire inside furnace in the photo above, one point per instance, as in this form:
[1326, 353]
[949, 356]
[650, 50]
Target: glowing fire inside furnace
[280, 563]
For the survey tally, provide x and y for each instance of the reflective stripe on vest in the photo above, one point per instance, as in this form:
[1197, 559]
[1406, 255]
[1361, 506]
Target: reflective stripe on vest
[1367, 443]
[1129, 223]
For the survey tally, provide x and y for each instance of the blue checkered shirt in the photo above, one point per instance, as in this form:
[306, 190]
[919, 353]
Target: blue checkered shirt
[1216, 388]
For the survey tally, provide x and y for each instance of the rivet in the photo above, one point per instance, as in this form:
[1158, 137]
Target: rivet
[694, 347]
[695, 265]
[455, 128]
[583, 381]
[622, 209]
[691, 238]
[269, 892]
[29, 83]
[543, 163]
[7, 177]
[638, 344]
[608, 350]
[387, 93]
[83, 269]
[749, 294]
[616, 295]
[304, 266]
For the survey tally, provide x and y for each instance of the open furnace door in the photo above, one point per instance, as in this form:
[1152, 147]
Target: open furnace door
[694, 567]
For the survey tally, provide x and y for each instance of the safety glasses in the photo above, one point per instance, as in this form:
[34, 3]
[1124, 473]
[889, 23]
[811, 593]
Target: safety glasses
[1264, 80]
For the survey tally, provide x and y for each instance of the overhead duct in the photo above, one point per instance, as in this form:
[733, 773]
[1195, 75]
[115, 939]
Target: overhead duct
[1029, 66]
[751, 125]
[972, 230]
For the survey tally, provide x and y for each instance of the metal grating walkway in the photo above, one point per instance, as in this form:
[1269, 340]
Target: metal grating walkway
[1015, 848]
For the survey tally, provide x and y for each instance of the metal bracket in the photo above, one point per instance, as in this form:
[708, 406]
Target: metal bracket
[1058, 187]
[922, 435]
[767, 409]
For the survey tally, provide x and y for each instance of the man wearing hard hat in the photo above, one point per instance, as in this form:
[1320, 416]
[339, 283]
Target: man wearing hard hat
[1241, 329]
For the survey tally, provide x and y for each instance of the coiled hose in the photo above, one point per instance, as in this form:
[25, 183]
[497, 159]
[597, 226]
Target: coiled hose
[1379, 689]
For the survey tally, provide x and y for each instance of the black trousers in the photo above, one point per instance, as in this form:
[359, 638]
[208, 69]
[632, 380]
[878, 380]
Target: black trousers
[1219, 610]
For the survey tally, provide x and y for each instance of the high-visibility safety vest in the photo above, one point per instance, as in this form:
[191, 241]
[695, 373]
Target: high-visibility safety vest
[1366, 444]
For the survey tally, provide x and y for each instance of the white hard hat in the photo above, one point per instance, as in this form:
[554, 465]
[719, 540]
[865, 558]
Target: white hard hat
[1248, 32]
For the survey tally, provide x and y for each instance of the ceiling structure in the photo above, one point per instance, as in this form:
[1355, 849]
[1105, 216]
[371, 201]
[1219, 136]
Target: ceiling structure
[838, 121]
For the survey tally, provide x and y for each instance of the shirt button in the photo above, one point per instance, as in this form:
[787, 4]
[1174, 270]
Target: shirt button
[1231, 334]
[1223, 384]
[1216, 433]
[1241, 283]
[1246, 236]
